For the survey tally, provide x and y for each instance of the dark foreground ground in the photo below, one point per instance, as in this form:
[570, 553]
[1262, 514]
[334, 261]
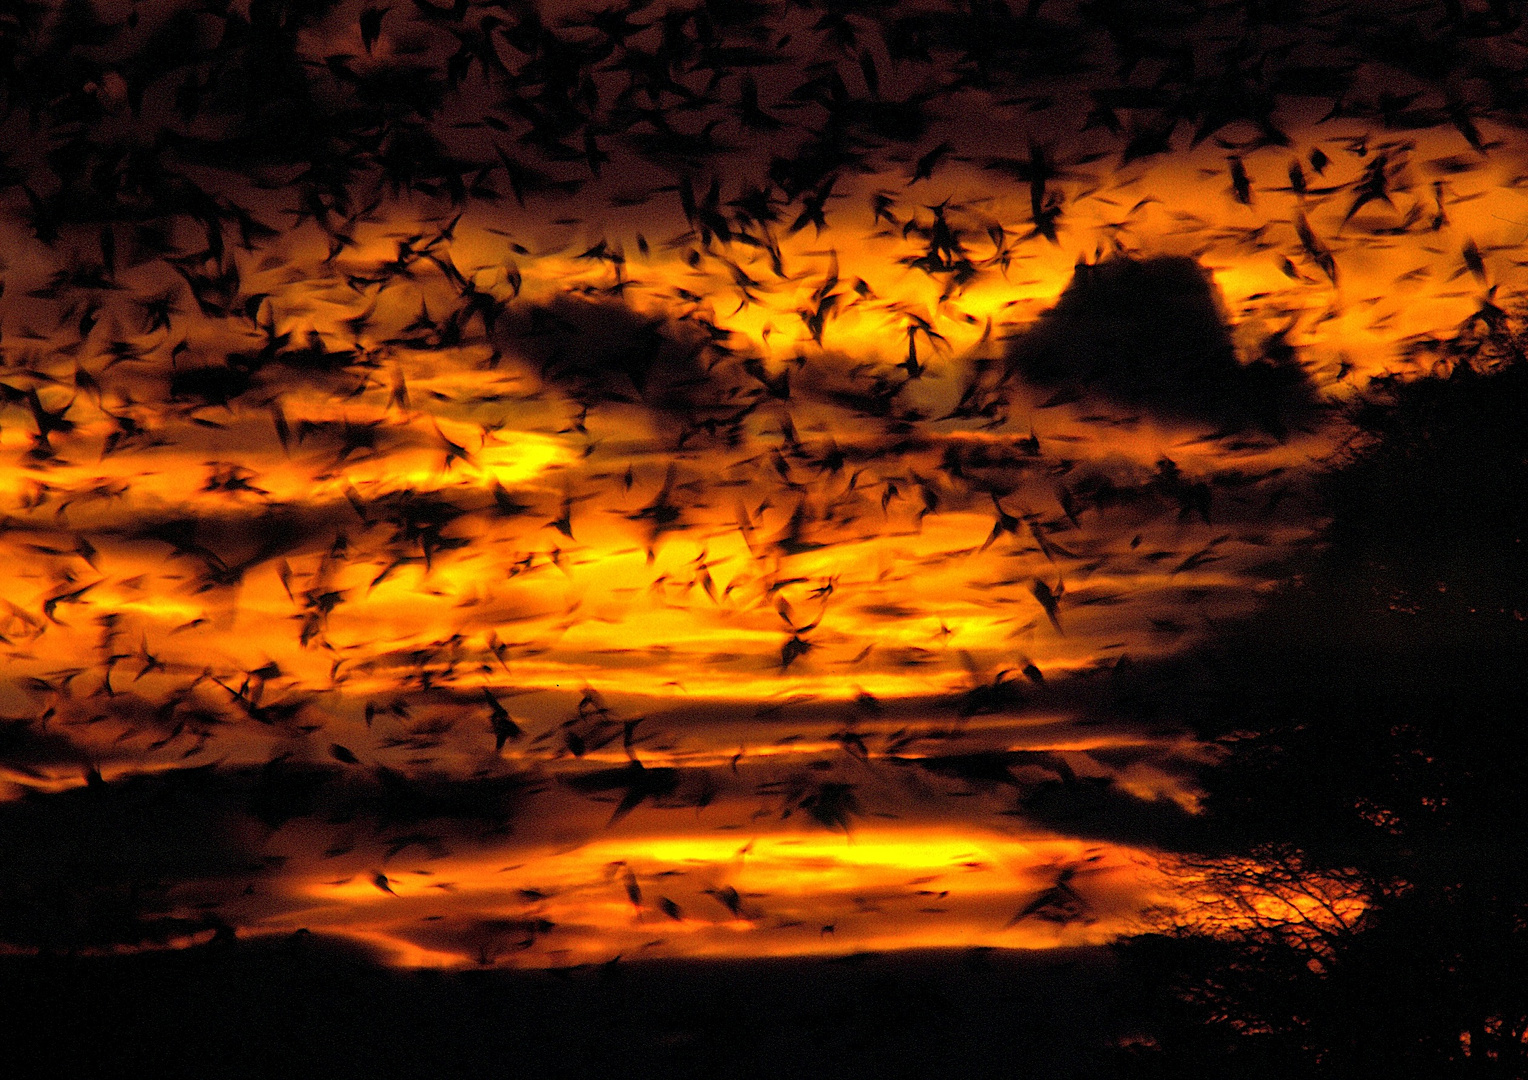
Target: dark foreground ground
[287, 1008]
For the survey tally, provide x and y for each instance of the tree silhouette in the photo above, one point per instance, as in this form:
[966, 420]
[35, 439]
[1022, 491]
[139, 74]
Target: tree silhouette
[1361, 906]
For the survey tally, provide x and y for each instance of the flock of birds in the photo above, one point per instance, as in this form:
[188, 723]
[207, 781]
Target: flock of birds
[635, 423]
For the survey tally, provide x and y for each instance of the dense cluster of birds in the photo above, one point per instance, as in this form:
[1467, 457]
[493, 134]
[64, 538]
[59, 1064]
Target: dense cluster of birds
[369, 367]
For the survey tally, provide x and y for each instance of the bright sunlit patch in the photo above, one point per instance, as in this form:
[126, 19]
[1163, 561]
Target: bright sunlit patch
[776, 894]
[521, 458]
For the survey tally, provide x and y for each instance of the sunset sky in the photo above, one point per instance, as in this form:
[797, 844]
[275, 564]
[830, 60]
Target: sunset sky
[525, 484]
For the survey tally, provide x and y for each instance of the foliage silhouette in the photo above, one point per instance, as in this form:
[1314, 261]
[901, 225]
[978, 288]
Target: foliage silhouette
[1371, 722]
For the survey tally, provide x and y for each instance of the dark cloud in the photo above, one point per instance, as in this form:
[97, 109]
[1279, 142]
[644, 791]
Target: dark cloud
[151, 858]
[24, 744]
[98, 866]
[601, 352]
[1098, 808]
[1151, 334]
